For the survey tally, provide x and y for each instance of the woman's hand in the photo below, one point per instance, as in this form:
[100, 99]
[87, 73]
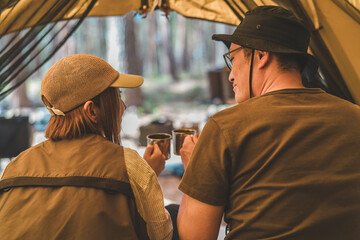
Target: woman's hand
[187, 148]
[154, 157]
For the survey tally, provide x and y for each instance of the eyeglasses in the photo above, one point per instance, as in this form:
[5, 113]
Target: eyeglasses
[227, 57]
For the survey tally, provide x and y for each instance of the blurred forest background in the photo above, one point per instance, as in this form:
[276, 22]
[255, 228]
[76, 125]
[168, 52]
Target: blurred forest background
[174, 54]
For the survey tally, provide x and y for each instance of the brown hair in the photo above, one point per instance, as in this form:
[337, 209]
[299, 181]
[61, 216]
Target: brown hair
[76, 123]
[287, 61]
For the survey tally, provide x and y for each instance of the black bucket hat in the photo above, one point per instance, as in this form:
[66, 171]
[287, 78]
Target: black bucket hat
[267, 32]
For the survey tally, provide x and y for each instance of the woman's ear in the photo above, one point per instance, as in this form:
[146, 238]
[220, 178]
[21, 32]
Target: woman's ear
[91, 110]
[262, 58]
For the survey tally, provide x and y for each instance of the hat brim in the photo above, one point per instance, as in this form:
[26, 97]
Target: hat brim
[226, 39]
[127, 81]
[255, 43]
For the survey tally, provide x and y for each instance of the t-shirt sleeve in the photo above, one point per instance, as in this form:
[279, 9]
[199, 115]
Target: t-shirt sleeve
[205, 178]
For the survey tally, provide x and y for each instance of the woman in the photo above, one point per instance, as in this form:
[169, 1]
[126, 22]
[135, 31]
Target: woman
[80, 183]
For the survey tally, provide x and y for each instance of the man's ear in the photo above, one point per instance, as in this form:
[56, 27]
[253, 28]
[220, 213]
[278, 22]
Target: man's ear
[263, 58]
[91, 110]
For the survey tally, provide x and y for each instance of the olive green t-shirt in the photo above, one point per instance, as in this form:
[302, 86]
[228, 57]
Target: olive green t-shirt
[286, 165]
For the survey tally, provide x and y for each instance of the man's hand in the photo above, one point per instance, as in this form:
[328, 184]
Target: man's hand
[187, 148]
[154, 157]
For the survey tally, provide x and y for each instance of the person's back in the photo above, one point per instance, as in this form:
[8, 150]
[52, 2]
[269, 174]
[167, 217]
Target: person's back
[70, 189]
[294, 171]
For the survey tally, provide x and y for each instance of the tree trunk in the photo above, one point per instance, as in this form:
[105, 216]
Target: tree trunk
[210, 49]
[134, 64]
[99, 36]
[186, 52]
[113, 42]
[170, 49]
[166, 56]
[152, 59]
[162, 56]
[19, 98]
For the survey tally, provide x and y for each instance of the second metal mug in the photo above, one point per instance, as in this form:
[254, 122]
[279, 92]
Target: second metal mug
[179, 136]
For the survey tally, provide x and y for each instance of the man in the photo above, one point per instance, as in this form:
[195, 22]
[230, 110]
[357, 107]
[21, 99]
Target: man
[284, 162]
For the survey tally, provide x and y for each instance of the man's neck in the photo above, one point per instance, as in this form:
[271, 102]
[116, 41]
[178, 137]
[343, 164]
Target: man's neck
[280, 80]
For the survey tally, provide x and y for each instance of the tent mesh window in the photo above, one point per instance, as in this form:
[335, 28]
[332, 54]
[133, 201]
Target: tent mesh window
[24, 50]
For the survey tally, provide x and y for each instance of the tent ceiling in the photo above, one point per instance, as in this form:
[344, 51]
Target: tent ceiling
[225, 11]
[32, 11]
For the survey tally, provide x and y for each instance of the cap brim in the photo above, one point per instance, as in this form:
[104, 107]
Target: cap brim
[128, 81]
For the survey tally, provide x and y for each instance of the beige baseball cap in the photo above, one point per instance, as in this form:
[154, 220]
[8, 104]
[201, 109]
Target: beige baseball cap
[78, 78]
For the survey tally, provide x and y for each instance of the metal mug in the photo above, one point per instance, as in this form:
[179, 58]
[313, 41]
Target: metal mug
[179, 136]
[163, 140]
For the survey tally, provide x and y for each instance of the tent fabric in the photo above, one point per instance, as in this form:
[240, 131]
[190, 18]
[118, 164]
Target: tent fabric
[330, 78]
[27, 13]
[340, 33]
[115, 8]
[224, 11]
[217, 11]
[351, 7]
[18, 49]
[11, 21]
